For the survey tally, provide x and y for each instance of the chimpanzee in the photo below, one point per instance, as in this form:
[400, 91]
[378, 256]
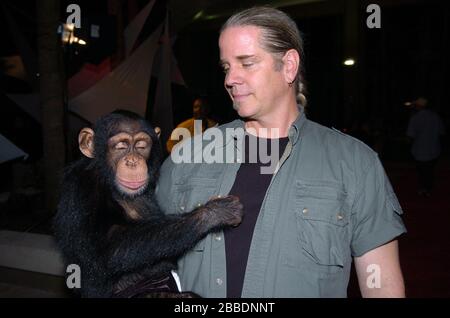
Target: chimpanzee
[108, 221]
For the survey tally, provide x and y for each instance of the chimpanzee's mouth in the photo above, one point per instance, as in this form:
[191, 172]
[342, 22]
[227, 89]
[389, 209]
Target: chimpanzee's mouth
[132, 185]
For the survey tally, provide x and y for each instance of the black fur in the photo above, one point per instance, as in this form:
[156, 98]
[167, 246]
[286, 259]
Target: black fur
[93, 232]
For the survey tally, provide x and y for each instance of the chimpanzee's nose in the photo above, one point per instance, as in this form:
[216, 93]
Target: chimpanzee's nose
[131, 161]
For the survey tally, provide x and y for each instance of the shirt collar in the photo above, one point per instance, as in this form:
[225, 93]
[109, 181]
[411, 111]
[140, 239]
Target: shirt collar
[294, 132]
[296, 128]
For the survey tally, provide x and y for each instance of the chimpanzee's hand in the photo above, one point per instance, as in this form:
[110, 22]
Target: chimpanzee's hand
[170, 294]
[225, 211]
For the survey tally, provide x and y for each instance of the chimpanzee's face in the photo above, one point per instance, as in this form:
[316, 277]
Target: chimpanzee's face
[128, 151]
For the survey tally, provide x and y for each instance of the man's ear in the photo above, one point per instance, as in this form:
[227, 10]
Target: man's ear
[86, 142]
[158, 131]
[291, 62]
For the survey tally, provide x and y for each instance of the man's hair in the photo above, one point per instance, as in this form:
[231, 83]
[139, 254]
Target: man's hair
[279, 34]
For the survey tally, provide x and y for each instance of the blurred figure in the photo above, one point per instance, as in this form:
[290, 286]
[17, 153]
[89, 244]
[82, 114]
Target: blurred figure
[200, 110]
[425, 129]
[362, 131]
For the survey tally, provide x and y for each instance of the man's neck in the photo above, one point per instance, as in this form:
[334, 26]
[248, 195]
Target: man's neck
[273, 125]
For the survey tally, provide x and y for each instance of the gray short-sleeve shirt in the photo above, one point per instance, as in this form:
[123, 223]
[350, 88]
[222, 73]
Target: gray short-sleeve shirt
[329, 200]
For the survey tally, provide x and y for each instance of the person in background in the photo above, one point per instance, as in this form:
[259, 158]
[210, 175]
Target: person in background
[425, 128]
[200, 110]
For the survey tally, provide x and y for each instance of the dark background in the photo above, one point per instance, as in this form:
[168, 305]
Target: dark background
[406, 58]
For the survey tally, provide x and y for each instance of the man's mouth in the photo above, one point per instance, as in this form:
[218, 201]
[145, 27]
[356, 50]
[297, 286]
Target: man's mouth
[239, 97]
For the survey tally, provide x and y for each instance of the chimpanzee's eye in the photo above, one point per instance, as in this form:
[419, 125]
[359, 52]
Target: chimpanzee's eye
[141, 144]
[121, 145]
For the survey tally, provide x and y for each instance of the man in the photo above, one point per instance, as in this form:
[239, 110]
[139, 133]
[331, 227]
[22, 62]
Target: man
[425, 128]
[200, 111]
[327, 200]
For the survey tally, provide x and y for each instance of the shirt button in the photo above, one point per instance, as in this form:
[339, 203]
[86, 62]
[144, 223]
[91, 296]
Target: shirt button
[340, 217]
[217, 237]
[199, 204]
[219, 281]
[182, 208]
[238, 160]
[305, 210]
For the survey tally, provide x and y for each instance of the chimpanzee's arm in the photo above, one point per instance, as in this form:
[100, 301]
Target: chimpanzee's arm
[169, 236]
[74, 231]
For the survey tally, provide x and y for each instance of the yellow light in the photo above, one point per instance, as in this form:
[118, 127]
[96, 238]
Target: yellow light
[65, 37]
[349, 62]
[68, 35]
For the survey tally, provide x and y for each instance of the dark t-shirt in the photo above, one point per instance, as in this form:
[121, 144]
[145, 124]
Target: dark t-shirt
[250, 186]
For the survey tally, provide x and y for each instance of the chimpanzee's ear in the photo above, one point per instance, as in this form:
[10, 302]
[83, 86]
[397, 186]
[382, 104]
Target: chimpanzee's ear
[158, 131]
[86, 142]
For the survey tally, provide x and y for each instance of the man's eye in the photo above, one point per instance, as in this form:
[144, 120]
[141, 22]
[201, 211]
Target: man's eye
[121, 145]
[247, 64]
[225, 70]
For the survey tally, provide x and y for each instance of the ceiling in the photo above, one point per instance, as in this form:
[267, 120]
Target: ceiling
[187, 12]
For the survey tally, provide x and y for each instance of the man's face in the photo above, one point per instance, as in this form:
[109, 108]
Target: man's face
[197, 109]
[254, 80]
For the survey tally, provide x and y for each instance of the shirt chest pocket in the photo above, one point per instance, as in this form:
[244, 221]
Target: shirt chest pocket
[193, 192]
[322, 221]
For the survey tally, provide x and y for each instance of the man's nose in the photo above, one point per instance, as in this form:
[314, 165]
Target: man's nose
[232, 77]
